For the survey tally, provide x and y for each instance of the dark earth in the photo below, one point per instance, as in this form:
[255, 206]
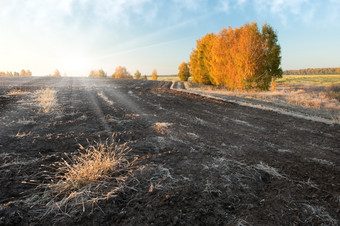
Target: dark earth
[197, 161]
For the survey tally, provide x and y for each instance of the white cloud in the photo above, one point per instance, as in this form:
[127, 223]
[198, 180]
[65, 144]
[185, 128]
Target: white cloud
[241, 2]
[224, 6]
[189, 4]
[40, 10]
[285, 10]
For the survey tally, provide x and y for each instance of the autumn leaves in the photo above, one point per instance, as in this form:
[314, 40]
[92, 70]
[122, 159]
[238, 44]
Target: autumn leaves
[240, 58]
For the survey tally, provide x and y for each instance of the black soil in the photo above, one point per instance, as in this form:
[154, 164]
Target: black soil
[198, 161]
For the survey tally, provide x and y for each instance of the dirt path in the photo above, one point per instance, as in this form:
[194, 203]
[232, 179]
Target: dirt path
[318, 115]
[200, 161]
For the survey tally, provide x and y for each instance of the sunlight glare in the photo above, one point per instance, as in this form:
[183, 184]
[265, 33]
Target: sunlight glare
[75, 66]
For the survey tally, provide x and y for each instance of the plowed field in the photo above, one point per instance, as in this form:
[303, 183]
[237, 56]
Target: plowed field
[196, 161]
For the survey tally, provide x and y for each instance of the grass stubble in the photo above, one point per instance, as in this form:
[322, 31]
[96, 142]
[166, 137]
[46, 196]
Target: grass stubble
[46, 99]
[83, 179]
[101, 170]
[95, 174]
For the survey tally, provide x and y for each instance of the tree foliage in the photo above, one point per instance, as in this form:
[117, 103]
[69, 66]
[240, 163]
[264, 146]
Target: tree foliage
[98, 73]
[22, 73]
[154, 75]
[138, 74]
[56, 73]
[121, 72]
[184, 71]
[240, 58]
[15, 74]
[200, 60]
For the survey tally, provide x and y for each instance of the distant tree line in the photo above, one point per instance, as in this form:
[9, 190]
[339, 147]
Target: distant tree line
[16, 74]
[98, 73]
[55, 74]
[240, 58]
[314, 71]
[121, 73]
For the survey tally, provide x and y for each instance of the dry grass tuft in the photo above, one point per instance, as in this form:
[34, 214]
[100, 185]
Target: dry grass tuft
[15, 92]
[333, 92]
[105, 98]
[23, 134]
[98, 162]
[162, 127]
[46, 99]
[97, 173]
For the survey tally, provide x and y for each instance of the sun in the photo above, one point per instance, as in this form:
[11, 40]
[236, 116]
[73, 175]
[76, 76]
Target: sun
[75, 65]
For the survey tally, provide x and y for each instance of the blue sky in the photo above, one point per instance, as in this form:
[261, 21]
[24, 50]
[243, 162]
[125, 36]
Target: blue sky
[76, 36]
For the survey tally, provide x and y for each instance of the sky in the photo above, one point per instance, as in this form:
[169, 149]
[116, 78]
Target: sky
[76, 36]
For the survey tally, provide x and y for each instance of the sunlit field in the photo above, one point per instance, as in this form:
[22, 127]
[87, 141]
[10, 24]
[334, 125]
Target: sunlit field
[316, 95]
[324, 80]
[169, 78]
[310, 79]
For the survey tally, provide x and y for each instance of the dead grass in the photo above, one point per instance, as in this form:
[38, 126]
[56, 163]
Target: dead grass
[333, 92]
[23, 134]
[162, 127]
[105, 98]
[15, 92]
[94, 163]
[96, 173]
[323, 100]
[46, 99]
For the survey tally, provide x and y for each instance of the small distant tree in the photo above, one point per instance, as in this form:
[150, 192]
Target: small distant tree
[121, 72]
[145, 77]
[98, 73]
[22, 72]
[137, 74]
[101, 73]
[92, 73]
[28, 73]
[56, 73]
[16, 74]
[184, 72]
[154, 75]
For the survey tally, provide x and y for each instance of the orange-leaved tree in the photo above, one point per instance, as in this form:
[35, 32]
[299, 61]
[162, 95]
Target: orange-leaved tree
[121, 72]
[56, 73]
[184, 71]
[240, 58]
[200, 59]
[154, 75]
[98, 73]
